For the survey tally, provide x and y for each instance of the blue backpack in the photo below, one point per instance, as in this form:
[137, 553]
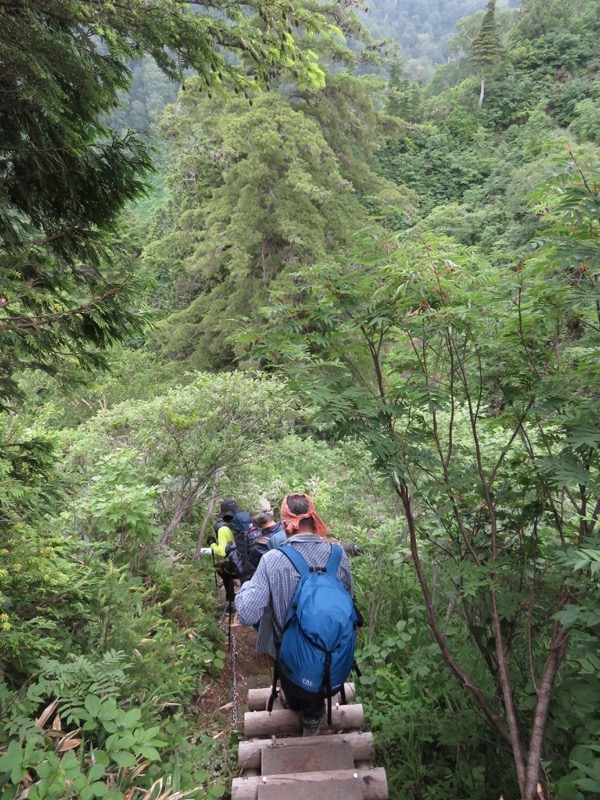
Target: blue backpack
[239, 525]
[316, 652]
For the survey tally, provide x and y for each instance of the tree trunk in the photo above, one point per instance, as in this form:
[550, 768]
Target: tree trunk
[207, 516]
[182, 509]
[558, 649]
[186, 502]
[519, 756]
[527, 761]
[493, 718]
[482, 91]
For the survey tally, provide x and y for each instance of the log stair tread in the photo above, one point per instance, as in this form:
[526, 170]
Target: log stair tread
[258, 698]
[349, 788]
[249, 751]
[320, 784]
[322, 755]
[285, 722]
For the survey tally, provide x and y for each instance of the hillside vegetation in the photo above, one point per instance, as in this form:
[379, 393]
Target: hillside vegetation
[325, 274]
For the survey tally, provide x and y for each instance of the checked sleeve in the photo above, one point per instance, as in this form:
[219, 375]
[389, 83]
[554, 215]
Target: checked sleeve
[253, 598]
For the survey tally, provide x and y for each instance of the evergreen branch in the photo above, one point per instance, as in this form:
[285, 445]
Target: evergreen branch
[24, 322]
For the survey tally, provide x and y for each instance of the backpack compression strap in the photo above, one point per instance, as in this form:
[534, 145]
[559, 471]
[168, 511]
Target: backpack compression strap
[334, 560]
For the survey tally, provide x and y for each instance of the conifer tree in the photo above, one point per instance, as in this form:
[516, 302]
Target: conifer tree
[487, 48]
[278, 203]
[398, 84]
[259, 192]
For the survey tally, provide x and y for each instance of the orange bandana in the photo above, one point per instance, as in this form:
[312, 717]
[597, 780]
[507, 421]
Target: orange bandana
[291, 522]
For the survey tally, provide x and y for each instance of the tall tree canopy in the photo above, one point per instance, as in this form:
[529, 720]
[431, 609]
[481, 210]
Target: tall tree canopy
[259, 192]
[255, 200]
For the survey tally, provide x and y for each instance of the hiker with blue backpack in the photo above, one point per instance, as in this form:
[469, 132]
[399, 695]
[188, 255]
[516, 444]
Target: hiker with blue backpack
[301, 593]
[238, 522]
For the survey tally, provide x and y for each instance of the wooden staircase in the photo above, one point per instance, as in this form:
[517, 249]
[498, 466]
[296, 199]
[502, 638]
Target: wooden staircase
[276, 763]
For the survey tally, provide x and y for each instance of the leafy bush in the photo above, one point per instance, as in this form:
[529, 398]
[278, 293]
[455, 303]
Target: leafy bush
[77, 731]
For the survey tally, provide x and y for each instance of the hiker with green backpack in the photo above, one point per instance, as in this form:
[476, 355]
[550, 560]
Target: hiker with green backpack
[301, 593]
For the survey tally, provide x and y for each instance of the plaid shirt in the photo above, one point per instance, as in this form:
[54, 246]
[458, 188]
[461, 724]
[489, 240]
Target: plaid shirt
[267, 596]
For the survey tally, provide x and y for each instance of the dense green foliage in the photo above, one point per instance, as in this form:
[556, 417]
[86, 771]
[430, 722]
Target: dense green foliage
[149, 92]
[230, 246]
[257, 192]
[396, 289]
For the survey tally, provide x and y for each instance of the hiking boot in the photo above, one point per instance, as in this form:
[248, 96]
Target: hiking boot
[310, 727]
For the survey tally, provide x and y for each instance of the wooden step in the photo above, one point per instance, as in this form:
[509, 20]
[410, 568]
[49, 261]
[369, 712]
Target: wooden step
[325, 754]
[374, 783]
[249, 752]
[330, 790]
[258, 698]
[284, 722]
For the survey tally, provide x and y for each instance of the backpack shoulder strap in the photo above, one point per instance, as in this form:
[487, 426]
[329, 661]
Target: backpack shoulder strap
[334, 560]
[297, 561]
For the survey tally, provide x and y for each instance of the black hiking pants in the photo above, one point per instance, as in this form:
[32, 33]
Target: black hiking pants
[227, 575]
[313, 708]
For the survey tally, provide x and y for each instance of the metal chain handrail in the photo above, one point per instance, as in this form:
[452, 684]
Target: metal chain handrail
[234, 710]
[233, 652]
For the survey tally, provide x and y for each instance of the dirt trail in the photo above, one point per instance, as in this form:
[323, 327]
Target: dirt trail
[252, 668]
[215, 702]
